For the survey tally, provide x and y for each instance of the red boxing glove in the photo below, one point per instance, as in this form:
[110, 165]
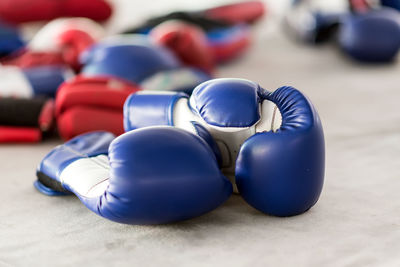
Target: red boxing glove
[194, 48]
[91, 104]
[59, 42]
[188, 42]
[244, 12]
[20, 11]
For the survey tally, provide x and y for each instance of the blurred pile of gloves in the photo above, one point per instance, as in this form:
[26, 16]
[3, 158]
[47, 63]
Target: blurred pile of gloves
[73, 77]
[365, 30]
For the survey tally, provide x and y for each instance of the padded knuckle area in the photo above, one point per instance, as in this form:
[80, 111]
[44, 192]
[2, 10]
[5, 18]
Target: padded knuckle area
[227, 102]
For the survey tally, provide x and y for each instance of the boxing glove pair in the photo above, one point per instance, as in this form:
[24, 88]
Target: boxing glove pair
[59, 42]
[170, 169]
[365, 34]
[20, 11]
[221, 31]
[25, 120]
[271, 144]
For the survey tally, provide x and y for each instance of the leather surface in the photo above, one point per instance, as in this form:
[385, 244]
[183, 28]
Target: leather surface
[278, 172]
[186, 183]
[227, 102]
[373, 37]
[207, 137]
[83, 119]
[95, 92]
[45, 80]
[227, 44]
[391, 3]
[83, 146]
[187, 41]
[10, 40]
[365, 31]
[133, 62]
[91, 104]
[281, 173]
[142, 110]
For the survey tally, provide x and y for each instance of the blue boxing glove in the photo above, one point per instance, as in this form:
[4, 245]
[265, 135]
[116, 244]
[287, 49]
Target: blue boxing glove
[368, 33]
[373, 36]
[271, 144]
[31, 82]
[137, 60]
[10, 40]
[149, 176]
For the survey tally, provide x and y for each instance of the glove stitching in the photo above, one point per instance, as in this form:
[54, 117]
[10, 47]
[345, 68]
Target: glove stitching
[96, 162]
[273, 118]
[108, 178]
